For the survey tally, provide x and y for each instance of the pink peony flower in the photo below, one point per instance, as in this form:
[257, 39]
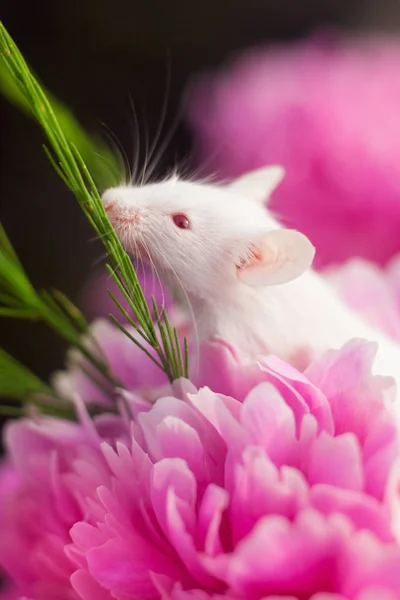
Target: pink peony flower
[372, 292]
[327, 110]
[287, 489]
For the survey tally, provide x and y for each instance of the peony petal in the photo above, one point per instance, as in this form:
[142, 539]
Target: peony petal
[369, 563]
[174, 497]
[261, 489]
[270, 423]
[392, 498]
[283, 557]
[337, 461]
[162, 409]
[300, 394]
[377, 592]
[223, 414]
[356, 397]
[327, 596]
[379, 453]
[363, 511]
[178, 440]
[225, 370]
[172, 477]
[364, 287]
[123, 566]
[212, 508]
[87, 588]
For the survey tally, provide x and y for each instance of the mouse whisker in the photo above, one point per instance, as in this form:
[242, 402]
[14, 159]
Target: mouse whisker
[104, 235]
[203, 173]
[140, 179]
[119, 150]
[135, 142]
[100, 259]
[163, 147]
[161, 123]
[199, 174]
[191, 174]
[110, 166]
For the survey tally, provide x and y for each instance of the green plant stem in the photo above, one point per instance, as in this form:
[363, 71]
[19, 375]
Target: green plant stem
[67, 159]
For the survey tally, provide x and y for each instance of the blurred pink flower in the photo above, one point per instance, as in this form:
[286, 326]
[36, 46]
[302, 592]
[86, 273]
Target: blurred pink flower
[12, 593]
[327, 110]
[96, 301]
[288, 489]
[372, 292]
[129, 365]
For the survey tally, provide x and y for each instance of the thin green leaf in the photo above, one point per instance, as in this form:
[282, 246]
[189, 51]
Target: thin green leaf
[18, 382]
[135, 341]
[179, 353]
[18, 313]
[6, 246]
[171, 344]
[186, 348]
[70, 157]
[56, 167]
[73, 311]
[11, 411]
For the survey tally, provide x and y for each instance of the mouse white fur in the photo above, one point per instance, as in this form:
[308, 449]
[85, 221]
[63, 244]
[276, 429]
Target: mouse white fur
[248, 279]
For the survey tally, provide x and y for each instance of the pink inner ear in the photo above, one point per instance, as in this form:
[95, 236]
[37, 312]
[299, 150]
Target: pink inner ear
[253, 256]
[280, 257]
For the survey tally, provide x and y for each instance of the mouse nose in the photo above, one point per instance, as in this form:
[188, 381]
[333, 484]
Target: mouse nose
[109, 207]
[111, 204]
[112, 211]
[119, 211]
[108, 199]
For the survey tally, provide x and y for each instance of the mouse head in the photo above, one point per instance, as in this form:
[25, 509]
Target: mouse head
[209, 237]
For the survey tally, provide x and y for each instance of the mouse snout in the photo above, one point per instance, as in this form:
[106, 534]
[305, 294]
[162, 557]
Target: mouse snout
[112, 210]
[119, 210]
[108, 199]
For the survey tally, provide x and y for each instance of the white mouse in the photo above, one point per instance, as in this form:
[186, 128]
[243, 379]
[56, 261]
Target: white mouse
[247, 279]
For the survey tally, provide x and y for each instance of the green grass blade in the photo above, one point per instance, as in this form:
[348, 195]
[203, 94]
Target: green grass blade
[72, 152]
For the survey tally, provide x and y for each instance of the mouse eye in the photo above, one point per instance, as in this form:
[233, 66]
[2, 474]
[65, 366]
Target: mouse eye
[181, 221]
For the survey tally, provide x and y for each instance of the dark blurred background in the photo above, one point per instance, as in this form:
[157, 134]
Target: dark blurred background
[95, 57]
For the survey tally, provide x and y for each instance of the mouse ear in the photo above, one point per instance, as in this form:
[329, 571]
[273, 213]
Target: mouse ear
[258, 185]
[281, 256]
